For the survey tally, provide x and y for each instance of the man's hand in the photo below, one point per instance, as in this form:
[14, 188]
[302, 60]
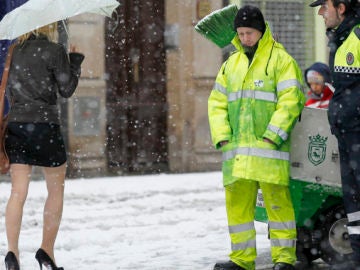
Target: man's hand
[222, 143]
[268, 141]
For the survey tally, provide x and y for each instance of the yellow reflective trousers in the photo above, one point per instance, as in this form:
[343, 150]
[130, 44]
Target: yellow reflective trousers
[240, 206]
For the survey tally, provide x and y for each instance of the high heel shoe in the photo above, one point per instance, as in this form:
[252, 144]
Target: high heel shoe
[44, 260]
[11, 263]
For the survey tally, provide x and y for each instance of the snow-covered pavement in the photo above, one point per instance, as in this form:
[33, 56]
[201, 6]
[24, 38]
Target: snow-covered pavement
[167, 221]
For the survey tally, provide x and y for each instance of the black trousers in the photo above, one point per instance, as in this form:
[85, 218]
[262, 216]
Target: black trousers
[349, 149]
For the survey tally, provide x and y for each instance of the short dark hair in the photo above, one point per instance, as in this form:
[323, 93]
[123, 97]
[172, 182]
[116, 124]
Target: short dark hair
[350, 5]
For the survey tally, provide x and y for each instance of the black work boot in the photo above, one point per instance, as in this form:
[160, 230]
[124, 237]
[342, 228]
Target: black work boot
[229, 265]
[283, 266]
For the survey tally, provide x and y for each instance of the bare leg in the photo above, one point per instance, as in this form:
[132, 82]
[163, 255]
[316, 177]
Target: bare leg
[55, 180]
[20, 178]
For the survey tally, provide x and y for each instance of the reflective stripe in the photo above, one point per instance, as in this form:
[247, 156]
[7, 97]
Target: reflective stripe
[282, 225]
[353, 229]
[257, 152]
[242, 227]
[242, 246]
[354, 216]
[278, 131]
[283, 242]
[352, 70]
[220, 88]
[288, 83]
[258, 95]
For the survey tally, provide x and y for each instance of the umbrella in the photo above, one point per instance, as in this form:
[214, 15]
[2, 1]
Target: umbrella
[37, 13]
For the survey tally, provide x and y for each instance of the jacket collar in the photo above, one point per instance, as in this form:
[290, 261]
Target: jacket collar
[338, 35]
[265, 40]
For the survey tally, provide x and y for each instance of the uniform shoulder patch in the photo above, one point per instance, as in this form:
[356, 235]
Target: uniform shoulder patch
[357, 32]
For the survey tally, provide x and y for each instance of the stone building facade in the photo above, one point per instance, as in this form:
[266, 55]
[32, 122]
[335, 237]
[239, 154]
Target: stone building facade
[141, 105]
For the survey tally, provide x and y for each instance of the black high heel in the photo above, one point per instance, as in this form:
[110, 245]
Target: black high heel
[11, 262]
[44, 260]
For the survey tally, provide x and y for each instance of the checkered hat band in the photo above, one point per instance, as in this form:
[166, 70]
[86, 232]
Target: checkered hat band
[352, 70]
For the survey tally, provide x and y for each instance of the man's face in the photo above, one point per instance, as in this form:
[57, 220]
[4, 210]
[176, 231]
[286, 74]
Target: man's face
[332, 16]
[248, 36]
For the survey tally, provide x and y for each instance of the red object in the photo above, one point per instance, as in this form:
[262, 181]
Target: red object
[320, 101]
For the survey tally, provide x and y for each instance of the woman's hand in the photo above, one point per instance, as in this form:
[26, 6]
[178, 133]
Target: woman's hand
[72, 48]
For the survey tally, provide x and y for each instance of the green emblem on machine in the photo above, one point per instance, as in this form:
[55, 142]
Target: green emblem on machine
[317, 149]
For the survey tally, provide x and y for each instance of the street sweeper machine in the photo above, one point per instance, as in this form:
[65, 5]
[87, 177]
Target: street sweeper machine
[315, 187]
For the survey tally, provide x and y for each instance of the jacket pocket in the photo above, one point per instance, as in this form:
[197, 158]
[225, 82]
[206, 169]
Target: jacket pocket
[262, 113]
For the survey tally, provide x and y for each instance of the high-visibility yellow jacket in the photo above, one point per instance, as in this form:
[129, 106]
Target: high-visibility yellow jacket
[343, 113]
[251, 102]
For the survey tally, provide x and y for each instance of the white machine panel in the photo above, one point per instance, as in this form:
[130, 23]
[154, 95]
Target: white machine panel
[314, 153]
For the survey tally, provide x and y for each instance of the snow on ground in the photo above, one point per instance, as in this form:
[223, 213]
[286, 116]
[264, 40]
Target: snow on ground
[152, 222]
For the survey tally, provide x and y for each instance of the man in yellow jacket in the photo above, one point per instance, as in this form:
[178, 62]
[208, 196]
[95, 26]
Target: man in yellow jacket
[254, 105]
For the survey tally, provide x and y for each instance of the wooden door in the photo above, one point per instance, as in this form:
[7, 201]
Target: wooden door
[136, 89]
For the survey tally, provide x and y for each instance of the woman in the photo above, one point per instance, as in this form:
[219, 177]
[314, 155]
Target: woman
[40, 70]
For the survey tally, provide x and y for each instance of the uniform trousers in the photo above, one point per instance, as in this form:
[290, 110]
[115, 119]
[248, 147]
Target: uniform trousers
[240, 205]
[349, 150]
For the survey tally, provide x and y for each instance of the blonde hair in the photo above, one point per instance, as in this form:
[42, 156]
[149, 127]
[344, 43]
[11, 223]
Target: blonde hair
[49, 30]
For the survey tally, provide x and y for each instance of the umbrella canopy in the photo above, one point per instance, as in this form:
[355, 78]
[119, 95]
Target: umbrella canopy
[36, 13]
[5, 7]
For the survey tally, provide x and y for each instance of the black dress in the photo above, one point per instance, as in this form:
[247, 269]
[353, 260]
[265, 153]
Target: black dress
[39, 144]
[40, 71]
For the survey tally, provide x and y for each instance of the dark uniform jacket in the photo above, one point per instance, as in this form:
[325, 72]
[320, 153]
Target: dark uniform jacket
[344, 62]
[39, 71]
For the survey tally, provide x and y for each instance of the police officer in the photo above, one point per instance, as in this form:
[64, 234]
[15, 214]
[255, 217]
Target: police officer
[252, 109]
[343, 30]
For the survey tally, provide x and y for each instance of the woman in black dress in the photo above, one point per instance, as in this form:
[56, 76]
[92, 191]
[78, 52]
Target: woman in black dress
[40, 71]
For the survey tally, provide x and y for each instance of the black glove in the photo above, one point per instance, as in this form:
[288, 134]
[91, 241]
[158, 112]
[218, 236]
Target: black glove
[76, 58]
